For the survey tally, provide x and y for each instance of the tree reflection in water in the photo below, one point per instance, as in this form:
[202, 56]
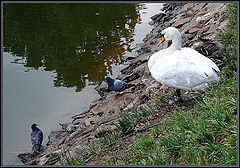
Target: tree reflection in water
[79, 42]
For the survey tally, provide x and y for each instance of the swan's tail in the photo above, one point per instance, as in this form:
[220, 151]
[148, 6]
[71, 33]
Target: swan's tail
[206, 86]
[212, 75]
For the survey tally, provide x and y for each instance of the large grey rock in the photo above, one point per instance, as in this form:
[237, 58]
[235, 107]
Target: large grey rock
[102, 89]
[54, 136]
[158, 17]
[83, 114]
[64, 126]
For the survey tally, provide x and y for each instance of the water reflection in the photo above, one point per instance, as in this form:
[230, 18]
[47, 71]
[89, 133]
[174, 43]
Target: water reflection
[79, 42]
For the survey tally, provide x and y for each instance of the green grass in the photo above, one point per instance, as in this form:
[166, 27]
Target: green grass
[204, 134]
[229, 39]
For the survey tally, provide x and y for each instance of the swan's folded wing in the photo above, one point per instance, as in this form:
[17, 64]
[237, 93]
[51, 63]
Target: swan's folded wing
[180, 73]
[199, 59]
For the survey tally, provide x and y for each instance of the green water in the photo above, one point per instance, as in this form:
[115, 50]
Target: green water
[54, 56]
[67, 38]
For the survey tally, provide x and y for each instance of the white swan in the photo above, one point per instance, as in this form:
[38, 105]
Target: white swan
[181, 68]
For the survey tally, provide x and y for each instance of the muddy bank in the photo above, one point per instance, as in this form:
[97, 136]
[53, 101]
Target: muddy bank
[198, 24]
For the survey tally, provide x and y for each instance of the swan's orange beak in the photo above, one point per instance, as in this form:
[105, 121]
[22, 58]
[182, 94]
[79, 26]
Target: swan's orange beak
[161, 40]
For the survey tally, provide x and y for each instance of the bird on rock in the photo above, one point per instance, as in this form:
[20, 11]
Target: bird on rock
[36, 138]
[117, 85]
[181, 68]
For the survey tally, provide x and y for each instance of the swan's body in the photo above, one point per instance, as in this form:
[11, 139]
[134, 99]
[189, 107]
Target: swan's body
[182, 68]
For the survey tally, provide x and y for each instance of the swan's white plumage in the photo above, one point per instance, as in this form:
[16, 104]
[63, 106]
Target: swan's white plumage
[182, 68]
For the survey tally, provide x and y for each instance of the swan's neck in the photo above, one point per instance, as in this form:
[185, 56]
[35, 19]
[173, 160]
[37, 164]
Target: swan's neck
[176, 44]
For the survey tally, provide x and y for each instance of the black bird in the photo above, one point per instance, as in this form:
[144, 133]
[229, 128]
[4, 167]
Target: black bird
[117, 85]
[36, 138]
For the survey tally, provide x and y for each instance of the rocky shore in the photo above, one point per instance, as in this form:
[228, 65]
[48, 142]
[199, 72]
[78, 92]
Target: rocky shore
[198, 23]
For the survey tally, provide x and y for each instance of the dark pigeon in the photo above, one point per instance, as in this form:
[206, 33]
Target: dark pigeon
[36, 138]
[117, 85]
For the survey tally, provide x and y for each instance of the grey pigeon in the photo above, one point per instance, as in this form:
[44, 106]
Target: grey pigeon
[36, 138]
[117, 85]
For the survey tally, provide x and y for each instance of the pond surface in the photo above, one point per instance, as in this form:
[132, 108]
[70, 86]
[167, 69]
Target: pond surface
[55, 55]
